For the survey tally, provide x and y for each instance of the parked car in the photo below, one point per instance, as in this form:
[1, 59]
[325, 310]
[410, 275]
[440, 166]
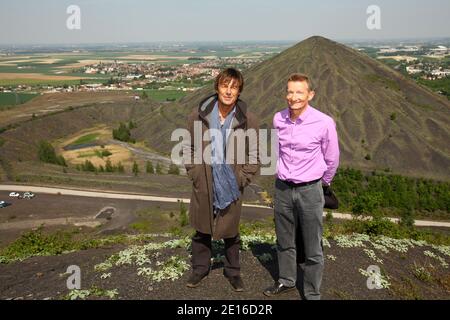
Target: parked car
[28, 195]
[14, 194]
[4, 204]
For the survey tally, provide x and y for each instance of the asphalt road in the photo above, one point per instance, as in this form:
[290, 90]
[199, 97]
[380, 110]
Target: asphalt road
[143, 197]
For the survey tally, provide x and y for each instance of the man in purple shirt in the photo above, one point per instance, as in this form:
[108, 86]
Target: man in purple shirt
[308, 157]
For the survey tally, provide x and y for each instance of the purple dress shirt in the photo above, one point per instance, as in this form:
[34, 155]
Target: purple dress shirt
[308, 148]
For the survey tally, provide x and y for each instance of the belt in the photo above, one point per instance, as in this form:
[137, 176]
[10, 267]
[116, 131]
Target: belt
[295, 185]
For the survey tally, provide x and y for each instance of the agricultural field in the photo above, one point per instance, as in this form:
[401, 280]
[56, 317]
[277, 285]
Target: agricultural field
[163, 95]
[11, 99]
[61, 68]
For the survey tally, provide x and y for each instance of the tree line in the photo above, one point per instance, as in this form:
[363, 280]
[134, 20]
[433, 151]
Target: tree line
[365, 193]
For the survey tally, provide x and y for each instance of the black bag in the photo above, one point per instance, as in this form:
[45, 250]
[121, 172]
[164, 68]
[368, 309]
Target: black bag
[331, 201]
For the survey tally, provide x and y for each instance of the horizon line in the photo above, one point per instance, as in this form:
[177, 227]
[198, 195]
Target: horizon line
[226, 41]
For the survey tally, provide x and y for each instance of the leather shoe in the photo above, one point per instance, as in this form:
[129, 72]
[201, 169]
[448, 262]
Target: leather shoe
[194, 280]
[237, 283]
[277, 289]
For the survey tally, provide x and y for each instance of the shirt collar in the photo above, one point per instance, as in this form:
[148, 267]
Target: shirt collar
[302, 117]
[229, 115]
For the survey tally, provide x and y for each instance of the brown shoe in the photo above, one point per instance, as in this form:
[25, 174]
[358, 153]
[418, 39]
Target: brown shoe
[194, 280]
[237, 283]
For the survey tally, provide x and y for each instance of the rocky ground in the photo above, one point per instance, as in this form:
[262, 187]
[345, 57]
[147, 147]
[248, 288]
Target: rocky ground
[159, 268]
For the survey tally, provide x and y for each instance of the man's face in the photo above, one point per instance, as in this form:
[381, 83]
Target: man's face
[228, 92]
[298, 95]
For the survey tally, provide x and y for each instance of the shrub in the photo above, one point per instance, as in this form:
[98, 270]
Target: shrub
[366, 203]
[184, 220]
[135, 168]
[88, 166]
[158, 168]
[123, 133]
[173, 169]
[149, 167]
[407, 218]
[35, 243]
[375, 227]
[108, 166]
[47, 154]
[120, 167]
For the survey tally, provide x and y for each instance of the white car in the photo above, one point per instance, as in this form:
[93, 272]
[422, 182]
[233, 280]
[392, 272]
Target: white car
[14, 194]
[28, 195]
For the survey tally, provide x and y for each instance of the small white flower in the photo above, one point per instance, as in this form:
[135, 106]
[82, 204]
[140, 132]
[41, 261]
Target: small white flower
[331, 257]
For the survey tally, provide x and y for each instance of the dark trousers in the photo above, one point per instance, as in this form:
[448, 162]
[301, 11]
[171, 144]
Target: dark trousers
[202, 252]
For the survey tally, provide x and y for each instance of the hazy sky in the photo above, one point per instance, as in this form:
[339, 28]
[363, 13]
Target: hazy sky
[106, 21]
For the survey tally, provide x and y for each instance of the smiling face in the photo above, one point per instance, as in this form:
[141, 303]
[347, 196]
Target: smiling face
[298, 95]
[228, 92]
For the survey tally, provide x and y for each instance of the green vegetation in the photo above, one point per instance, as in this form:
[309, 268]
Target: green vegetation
[164, 95]
[143, 226]
[12, 99]
[103, 153]
[144, 95]
[88, 166]
[173, 169]
[439, 85]
[161, 221]
[149, 167]
[386, 194]
[184, 219]
[92, 292]
[158, 168]
[422, 273]
[381, 226]
[123, 134]
[43, 82]
[132, 125]
[387, 83]
[38, 243]
[391, 194]
[85, 139]
[393, 116]
[135, 169]
[47, 154]
[35, 243]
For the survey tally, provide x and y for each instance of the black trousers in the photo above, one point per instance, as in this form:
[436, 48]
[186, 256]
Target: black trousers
[202, 253]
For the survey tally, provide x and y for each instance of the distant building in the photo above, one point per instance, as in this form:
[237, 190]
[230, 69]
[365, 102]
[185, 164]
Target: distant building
[413, 70]
[90, 71]
[441, 73]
